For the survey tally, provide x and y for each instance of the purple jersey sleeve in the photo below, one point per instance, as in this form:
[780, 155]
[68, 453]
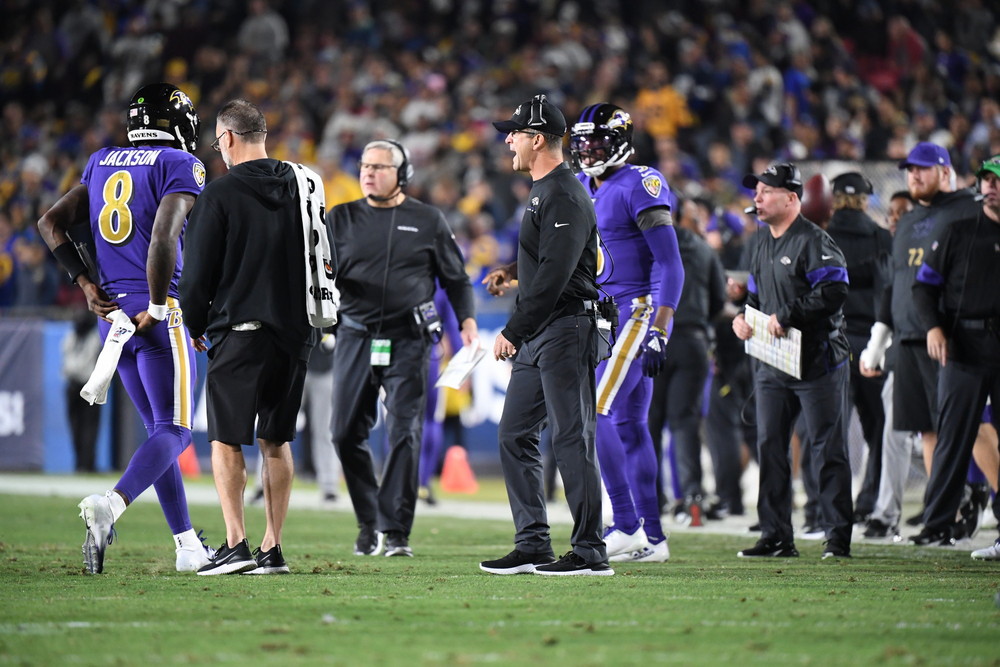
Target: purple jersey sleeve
[625, 261]
[125, 187]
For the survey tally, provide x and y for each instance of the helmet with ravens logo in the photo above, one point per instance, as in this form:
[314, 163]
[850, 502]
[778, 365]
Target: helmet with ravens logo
[600, 139]
[163, 112]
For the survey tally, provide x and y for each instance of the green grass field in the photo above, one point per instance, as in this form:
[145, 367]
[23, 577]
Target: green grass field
[888, 605]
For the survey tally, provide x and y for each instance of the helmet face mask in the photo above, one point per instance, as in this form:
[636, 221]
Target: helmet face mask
[601, 139]
[162, 112]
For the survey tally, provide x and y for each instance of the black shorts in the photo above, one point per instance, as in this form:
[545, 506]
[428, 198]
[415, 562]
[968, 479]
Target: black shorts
[250, 376]
[914, 392]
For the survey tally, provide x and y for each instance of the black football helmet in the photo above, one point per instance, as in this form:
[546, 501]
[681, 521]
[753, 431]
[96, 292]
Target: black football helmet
[601, 138]
[163, 112]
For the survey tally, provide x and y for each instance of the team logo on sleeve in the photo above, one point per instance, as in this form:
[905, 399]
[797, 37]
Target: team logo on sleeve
[199, 174]
[653, 185]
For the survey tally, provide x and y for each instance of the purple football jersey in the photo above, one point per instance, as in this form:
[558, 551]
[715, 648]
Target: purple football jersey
[125, 187]
[618, 202]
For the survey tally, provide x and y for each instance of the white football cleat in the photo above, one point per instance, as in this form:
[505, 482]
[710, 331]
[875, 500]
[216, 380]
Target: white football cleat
[619, 542]
[96, 512]
[988, 553]
[651, 553]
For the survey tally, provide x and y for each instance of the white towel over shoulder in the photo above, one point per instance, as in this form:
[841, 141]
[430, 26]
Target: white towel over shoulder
[322, 296]
[96, 389]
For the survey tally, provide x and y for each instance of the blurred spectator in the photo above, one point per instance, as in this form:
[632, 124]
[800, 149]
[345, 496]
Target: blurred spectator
[80, 348]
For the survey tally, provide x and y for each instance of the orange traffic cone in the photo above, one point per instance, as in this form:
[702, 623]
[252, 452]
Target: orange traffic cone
[456, 475]
[188, 461]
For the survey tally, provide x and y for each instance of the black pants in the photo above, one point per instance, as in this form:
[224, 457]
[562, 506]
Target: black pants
[678, 398]
[356, 383]
[962, 392]
[84, 419]
[552, 380]
[866, 395]
[823, 404]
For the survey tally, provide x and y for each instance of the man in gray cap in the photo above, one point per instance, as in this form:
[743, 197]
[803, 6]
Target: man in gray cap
[798, 276]
[551, 338]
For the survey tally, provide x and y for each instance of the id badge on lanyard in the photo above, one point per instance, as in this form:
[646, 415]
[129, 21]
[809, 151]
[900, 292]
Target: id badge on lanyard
[381, 351]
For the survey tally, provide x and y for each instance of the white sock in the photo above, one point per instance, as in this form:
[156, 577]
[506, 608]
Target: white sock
[117, 503]
[187, 540]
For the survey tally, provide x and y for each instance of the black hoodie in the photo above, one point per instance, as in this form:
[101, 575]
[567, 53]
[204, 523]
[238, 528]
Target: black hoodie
[244, 256]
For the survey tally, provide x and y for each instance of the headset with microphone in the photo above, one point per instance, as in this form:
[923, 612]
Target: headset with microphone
[404, 173]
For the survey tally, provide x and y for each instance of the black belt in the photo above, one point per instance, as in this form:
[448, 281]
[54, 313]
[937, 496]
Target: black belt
[398, 327]
[980, 324]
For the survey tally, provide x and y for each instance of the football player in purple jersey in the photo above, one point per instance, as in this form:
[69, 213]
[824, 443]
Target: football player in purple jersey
[137, 200]
[639, 264]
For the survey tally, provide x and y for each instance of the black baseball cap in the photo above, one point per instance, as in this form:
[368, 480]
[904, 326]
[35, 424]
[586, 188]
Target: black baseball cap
[785, 175]
[852, 183]
[535, 114]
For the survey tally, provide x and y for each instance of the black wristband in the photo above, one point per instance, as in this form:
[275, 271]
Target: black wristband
[70, 259]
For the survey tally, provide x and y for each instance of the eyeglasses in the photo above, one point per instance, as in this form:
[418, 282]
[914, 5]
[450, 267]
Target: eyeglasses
[530, 133]
[215, 144]
[374, 167]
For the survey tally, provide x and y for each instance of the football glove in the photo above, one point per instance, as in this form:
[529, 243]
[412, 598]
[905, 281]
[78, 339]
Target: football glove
[654, 351]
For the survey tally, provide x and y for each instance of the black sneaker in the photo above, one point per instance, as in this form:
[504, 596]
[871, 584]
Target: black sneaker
[770, 549]
[516, 562]
[878, 529]
[861, 516]
[754, 527]
[916, 519]
[975, 500]
[425, 494]
[396, 544]
[230, 560]
[933, 538]
[369, 542]
[269, 562]
[836, 550]
[572, 564]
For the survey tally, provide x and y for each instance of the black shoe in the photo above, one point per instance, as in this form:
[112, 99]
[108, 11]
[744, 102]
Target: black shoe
[516, 562]
[717, 511]
[329, 497]
[425, 494]
[269, 562]
[754, 527]
[975, 500]
[230, 560]
[770, 549]
[396, 544]
[933, 538]
[916, 519]
[860, 516]
[836, 550]
[369, 542]
[877, 530]
[572, 564]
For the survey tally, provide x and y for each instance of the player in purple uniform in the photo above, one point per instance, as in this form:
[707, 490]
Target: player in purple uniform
[137, 199]
[640, 266]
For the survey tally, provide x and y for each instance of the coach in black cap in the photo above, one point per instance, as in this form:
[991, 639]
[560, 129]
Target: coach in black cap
[551, 339]
[798, 276]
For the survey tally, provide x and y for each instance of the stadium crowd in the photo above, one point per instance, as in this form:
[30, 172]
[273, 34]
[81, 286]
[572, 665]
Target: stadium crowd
[716, 90]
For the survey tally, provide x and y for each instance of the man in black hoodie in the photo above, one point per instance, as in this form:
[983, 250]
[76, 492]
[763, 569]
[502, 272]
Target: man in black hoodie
[867, 248]
[243, 269]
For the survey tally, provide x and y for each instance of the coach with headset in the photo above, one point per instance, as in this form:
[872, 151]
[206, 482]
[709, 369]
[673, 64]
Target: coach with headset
[391, 248]
[798, 277]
